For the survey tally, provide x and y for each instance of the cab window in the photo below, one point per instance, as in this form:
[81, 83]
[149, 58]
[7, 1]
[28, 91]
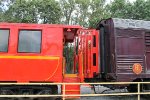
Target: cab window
[29, 41]
[4, 37]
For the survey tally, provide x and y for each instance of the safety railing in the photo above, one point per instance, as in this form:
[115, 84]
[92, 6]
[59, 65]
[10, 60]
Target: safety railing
[64, 95]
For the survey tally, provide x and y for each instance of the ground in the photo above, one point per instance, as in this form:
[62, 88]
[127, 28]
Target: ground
[100, 89]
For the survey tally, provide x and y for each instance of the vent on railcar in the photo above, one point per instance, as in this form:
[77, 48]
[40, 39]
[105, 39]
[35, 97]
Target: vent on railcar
[147, 50]
[147, 39]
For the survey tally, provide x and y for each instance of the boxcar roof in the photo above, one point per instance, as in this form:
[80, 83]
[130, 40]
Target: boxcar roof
[128, 23]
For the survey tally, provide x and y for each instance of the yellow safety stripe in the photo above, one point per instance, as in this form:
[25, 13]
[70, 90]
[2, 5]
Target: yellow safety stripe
[30, 57]
[70, 75]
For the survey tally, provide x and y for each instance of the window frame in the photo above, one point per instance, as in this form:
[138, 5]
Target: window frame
[94, 59]
[94, 40]
[30, 30]
[8, 39]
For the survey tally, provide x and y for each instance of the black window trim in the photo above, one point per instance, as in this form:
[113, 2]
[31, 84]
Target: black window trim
[94, 59]
[94, 40]
[7, 40]
[30, 30]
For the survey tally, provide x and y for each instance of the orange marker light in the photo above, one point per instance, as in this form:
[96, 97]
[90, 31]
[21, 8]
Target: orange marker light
[137, 68]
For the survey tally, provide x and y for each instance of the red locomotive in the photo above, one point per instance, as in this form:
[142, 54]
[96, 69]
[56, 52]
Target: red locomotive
[118, 50]
[32, 53]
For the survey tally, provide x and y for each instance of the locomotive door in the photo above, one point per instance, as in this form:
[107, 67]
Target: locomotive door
[147, 50]
[88, 53]
[70, 68]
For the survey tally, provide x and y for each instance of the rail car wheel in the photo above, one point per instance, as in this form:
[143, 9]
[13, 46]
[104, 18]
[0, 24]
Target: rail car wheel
[52, 90]
[133, 87]
[29, 90]
[143, 87]
[55, 89]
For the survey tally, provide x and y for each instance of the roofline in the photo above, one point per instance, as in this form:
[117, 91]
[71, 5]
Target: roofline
[40, 25]
[100, 23]
[127, 23]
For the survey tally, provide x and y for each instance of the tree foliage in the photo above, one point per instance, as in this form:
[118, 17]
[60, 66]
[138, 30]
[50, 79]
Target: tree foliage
[33, 11]
[21, 11]
[49, 11]
[125, 9]
[67, 7]
[83, 12]
[98, 12]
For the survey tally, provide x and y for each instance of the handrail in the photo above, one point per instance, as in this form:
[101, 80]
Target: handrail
[98, 83]
[63, 95]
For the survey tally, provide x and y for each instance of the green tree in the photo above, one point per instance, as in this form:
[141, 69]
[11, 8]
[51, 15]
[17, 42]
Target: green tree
[139, 9]
[49, 11]
[98, 12]
[22, 11]
[67, 7]
[1, 10]
[69, 56]
[83, 12]
[118, 8]
[1, 16]
[33, 11]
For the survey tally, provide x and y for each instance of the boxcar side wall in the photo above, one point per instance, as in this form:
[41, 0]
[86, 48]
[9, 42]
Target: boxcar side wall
[122, 47]
[130, 48]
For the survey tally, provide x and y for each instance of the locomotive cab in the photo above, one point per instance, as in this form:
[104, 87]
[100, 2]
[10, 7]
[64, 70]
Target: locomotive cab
[32, 53]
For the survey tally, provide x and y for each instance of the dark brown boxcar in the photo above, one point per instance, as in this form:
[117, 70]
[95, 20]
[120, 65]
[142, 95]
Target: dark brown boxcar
[125, 49]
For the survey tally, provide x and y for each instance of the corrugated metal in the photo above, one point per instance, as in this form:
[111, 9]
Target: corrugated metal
[147, 51]
[147, 39]
[125, 63]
